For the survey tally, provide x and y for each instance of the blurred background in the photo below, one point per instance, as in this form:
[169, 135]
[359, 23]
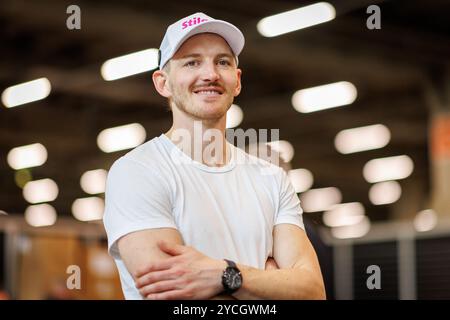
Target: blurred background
[360, 94]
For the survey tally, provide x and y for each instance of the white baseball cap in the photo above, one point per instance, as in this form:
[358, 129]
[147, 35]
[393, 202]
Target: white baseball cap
[196, 23]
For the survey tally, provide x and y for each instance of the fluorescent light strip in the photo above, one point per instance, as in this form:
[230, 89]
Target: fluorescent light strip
[301, 179]
[425, 220]
[385, 192]
[88, 209]
[389, 168]
[26, 92]
[234, 116]
[296, 19]
[32, 155]
[324, 97]
[284, 148]
[322, 199]
[352, 231]
[361, 139]
[344, 214]
[44, 190]
[40, 215]
[121, 137]
[94, 181]
[130, 64]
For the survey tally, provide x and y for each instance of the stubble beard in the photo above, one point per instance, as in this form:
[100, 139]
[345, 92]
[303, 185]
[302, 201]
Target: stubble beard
[194, 110]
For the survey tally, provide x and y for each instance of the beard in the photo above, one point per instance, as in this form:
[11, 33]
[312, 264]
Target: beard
[185, 102]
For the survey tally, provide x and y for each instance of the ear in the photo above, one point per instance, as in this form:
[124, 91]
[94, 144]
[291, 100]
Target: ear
[160, 81]
[237, 90]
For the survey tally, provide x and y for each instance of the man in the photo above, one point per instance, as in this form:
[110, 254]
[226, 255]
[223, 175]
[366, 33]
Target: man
[183, 223]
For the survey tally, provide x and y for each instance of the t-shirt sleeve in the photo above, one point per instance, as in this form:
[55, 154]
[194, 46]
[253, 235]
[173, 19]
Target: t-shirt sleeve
[136, 198]
[289, 210]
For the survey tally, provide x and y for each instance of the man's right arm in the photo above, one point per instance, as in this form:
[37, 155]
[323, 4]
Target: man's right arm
[139, 249]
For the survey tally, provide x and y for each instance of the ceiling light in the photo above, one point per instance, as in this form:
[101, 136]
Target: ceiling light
[344, 214]
[130, 64]
[27, 156]
[40, 215]
[283, 148]
[121, 138]
[301, 179]
[234, 116]
[324, 97]
[352, 231]
[26, 92]
[88, 209]
[425, 220]
[296, 19]
[362, 139]
[94, 181]
[321, 199]
[44, 190]
[385, 192]
[389, 168]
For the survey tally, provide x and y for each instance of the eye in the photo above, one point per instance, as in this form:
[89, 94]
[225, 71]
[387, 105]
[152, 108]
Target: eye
[192, 63]
[224, 62]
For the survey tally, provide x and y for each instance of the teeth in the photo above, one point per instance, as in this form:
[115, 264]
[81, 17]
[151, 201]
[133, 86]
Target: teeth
[208, 92]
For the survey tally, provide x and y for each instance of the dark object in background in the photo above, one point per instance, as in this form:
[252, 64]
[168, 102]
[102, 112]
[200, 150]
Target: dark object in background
[324, 254]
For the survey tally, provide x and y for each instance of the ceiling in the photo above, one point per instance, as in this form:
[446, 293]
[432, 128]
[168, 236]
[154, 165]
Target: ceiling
[390, 67]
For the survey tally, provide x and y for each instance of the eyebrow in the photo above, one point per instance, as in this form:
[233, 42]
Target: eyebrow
[196, 55]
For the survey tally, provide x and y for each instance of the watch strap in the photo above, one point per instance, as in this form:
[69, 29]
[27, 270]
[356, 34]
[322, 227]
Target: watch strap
[230, 263]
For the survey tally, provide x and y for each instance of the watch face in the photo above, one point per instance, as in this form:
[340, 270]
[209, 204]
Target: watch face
[233, 278]
[235, 281]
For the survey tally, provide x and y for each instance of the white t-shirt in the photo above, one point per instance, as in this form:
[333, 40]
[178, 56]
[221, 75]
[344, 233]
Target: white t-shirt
[224, 212]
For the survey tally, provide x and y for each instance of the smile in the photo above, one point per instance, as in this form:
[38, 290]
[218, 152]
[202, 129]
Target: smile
[208, 92]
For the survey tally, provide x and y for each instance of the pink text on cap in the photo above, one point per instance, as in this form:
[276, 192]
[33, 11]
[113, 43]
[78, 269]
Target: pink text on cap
[192, 22]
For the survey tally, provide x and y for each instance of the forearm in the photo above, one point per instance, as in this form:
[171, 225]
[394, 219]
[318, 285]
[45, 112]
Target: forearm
[189, 274]
[281, 284]
[270, 265]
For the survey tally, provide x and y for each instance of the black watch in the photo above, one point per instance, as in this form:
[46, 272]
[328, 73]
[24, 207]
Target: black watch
[231, 278]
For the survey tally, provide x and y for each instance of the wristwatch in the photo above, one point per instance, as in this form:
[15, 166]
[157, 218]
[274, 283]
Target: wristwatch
[231, 278]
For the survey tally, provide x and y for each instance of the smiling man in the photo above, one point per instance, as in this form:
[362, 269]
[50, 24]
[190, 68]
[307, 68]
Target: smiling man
[187, 223]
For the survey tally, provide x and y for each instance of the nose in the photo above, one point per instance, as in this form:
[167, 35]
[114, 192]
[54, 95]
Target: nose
[209, 72]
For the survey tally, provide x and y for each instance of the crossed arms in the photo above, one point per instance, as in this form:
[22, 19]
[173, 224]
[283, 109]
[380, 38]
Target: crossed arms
[164, 268]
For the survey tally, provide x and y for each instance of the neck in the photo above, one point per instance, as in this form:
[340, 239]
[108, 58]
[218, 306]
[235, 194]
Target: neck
[202, 140]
